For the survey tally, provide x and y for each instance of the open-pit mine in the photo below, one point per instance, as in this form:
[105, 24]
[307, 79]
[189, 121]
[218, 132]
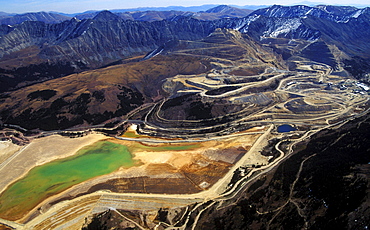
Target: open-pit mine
[225, 111]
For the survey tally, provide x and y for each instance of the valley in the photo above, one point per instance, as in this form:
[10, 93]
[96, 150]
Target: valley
[176, 138]
[194, 157]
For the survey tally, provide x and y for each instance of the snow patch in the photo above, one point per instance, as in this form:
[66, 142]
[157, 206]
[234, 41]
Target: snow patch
[285, 28]
[153, 53]
[76, 19]
[326, 10]
[357, 14]
[309, 11]
[363, 86]
[245, 23]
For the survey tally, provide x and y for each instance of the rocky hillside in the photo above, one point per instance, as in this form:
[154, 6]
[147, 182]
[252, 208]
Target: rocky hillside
[106, 38]
[331, 189]
[93, 97]
[333, 13]
[75, 40]
[345, 27]
[34, 52]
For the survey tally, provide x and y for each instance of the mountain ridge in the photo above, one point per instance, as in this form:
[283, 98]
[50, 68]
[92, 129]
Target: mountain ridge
[92, 43]
[83, 98]
[144, 14]
[38, 16]
[213, 95]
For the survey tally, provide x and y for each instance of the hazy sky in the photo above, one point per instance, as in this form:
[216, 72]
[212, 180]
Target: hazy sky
[76, 6]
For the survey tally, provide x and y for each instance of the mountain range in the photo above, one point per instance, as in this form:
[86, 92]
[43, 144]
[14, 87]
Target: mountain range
[141, 14]
[36, 51]
[214, 76]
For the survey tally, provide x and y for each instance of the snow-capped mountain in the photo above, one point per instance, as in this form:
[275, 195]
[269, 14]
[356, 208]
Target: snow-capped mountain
[261, 27]
[35, 51]
[346, 27]
[107, 37]
[334, 13]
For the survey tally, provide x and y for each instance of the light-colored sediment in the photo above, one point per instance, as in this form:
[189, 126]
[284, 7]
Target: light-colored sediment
[206, 153]
[138, 201]
[7, 149]
[41, 151]
[152, 163]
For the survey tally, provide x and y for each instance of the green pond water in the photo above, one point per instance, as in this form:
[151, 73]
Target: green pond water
[43, 181]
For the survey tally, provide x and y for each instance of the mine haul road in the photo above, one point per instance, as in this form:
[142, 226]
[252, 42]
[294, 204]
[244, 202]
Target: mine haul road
[103, 200]
[242, 184]
[133, 201]
[71, 213]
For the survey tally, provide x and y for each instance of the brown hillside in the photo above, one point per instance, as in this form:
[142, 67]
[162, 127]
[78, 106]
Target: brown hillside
[94, 96]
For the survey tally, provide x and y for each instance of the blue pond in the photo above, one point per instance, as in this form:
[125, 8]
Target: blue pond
[285, 128]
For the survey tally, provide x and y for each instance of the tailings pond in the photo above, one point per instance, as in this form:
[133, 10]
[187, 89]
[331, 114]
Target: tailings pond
[100, 158]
